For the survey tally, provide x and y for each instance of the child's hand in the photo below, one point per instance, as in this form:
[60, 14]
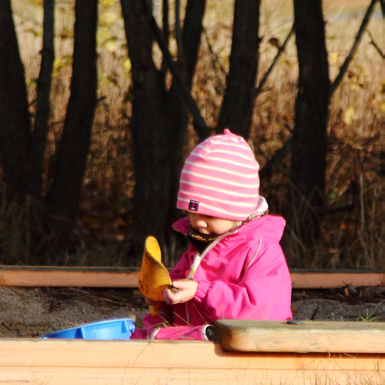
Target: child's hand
[187, 290]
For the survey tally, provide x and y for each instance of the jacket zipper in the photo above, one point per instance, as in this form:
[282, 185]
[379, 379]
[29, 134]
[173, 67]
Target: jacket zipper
[198, 258]
[197, 262]
[194, 265]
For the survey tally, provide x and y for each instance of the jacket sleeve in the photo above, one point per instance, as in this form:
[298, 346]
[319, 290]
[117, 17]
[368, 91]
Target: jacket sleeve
[263, 292]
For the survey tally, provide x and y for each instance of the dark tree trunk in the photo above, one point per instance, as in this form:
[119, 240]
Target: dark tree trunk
[31, 182]
[308, 159]
[198, 122]
[15, 137]
[152, 178]
[238, 103]
[63, 198]
[176, 110]
[166, 34]
[158, 137]
[15, 125]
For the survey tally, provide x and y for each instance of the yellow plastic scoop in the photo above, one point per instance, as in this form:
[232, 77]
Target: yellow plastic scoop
[153, 276]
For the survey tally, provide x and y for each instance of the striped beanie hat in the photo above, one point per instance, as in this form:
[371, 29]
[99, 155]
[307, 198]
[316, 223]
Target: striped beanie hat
[220, 178]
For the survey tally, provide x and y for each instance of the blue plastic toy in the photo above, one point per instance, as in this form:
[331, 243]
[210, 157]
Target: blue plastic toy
[113, 329]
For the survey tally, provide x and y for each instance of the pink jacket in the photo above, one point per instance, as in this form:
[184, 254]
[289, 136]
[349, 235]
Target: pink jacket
[241, 275]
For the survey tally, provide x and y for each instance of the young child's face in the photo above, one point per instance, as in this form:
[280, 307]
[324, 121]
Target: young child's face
[210, 225]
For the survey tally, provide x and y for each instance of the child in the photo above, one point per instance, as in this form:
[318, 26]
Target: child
[235, 267]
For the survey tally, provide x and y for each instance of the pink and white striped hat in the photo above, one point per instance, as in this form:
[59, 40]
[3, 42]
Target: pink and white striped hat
[220, 178]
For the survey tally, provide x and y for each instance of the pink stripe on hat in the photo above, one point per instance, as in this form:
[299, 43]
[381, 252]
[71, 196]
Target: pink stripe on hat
[220, 178]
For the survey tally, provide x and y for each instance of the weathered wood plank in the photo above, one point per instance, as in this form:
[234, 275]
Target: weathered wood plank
[122, 376]
[38, 276]
[59, 362]
[24, 353]
[326, 279]
[68, 277]
[310, 336]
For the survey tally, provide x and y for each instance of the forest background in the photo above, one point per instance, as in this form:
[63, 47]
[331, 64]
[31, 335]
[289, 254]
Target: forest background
[340, 225]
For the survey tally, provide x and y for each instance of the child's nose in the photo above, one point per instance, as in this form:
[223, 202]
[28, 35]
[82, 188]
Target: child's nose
[198, 221]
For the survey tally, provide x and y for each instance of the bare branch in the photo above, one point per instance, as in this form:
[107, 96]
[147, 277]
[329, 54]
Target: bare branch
[267, 170]
[348, 59]
[258, 90]
[199, 123]
[373, 43]
[215, 61]
[382, 2]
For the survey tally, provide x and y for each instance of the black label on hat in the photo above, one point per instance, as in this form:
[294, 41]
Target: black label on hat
[193, 206]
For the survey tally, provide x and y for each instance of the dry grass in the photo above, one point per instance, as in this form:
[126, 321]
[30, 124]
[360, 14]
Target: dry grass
[353, 232]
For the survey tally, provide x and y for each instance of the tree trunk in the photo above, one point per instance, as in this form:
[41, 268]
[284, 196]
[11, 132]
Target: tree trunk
[308, 159]
[63, 198]
[176, 110]
[152, 178]
[15, 125]
[158, 137]
[238, 103]
[15, 137]
[31, 182]
[166, 34]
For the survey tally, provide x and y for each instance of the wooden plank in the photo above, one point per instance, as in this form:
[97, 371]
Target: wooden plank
[25, 353]
[62, 362]
[310, 336]
[127, 376]
[331, 279]
[38, 276]
[68, 277]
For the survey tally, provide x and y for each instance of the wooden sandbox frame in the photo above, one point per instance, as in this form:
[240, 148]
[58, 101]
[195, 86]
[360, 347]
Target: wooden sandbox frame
[38, 276]
[245, 352]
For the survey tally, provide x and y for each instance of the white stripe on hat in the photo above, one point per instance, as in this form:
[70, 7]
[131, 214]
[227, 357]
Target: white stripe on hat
[224, 160]
[217, 140]
[248, 157]
[220, 180]
[255, 175]
[229, 192]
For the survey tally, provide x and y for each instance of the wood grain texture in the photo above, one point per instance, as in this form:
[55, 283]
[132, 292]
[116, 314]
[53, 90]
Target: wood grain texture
[309, 337]
[54, 362]
[107, 376]
[69, 277]
[38, 276]
[164, 354]
[325, 279]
